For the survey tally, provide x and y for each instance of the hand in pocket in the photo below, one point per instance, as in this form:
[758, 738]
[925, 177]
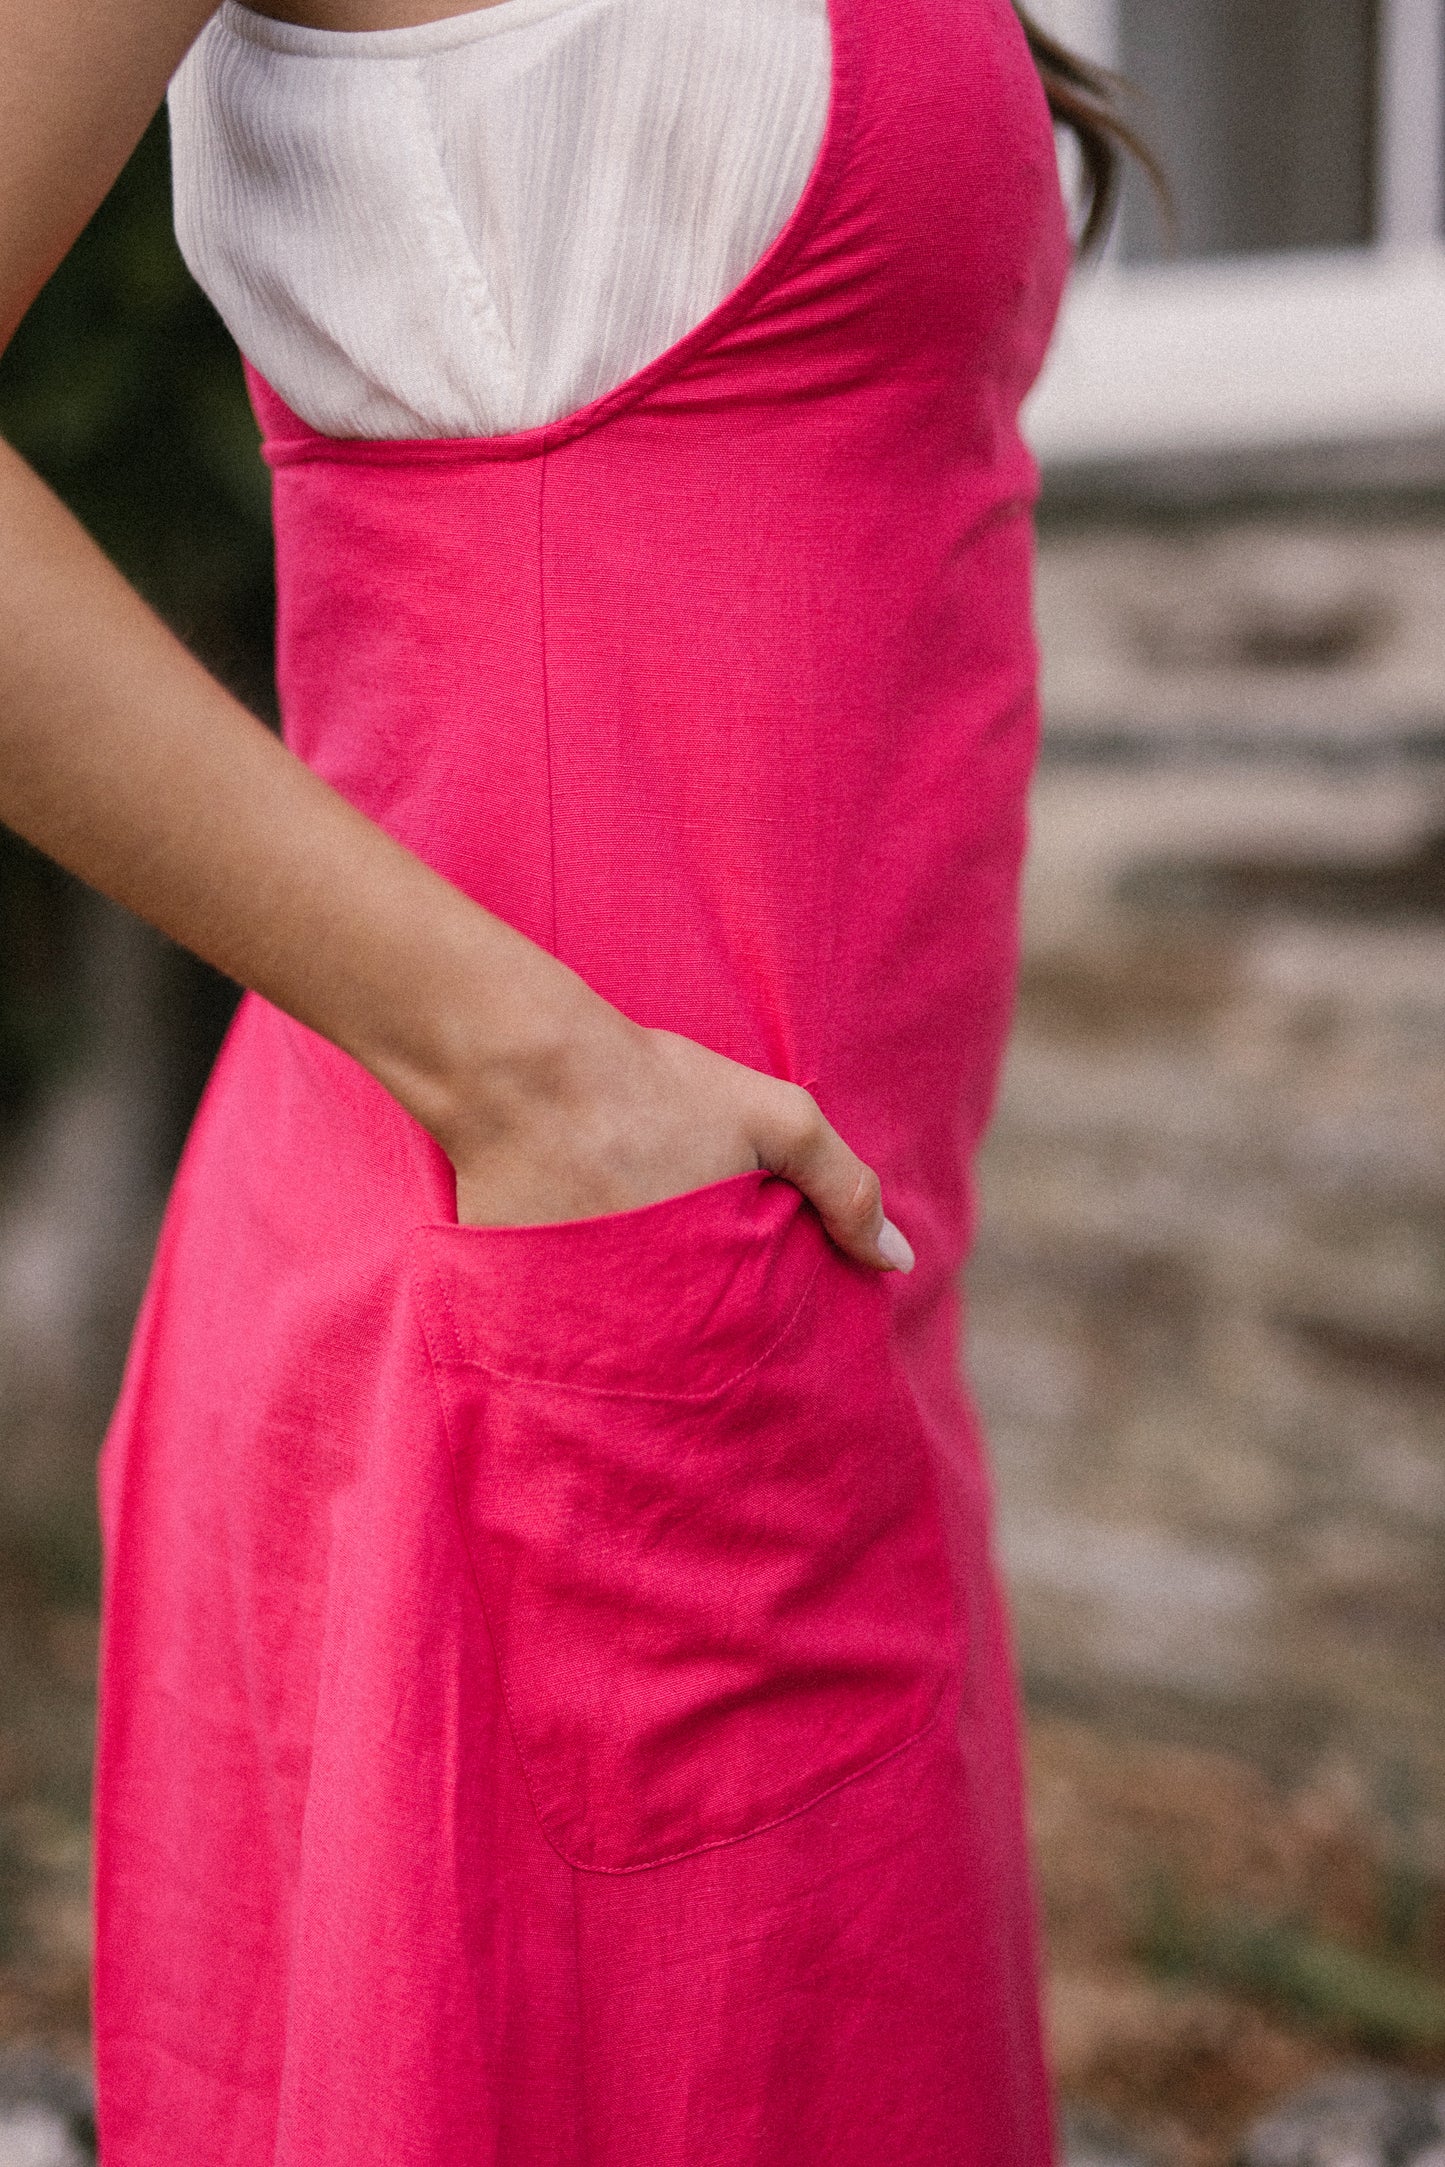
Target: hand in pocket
[624, 1117]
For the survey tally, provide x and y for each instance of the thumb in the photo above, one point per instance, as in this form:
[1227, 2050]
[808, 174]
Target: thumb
[845, 1192]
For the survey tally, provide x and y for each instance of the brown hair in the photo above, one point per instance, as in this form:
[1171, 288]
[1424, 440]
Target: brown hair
[1086, 99]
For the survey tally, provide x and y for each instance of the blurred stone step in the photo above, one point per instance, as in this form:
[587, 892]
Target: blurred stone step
[1353, 2118]
[1237, 641]
[47, 2116]
[1090, 2139]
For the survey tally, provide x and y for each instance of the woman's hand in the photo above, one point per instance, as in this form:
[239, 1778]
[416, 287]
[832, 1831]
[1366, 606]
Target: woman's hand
[627, 1117]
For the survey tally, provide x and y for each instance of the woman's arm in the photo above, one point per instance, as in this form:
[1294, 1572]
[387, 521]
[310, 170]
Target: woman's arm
[123, 759]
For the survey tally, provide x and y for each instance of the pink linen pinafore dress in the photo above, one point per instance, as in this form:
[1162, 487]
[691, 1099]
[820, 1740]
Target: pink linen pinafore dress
[555, 1705]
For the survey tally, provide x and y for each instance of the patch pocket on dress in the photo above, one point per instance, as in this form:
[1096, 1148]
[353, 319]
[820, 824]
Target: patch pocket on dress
[700, 1508]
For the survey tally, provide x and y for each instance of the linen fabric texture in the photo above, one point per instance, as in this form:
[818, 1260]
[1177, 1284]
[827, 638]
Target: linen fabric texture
[556, 1706]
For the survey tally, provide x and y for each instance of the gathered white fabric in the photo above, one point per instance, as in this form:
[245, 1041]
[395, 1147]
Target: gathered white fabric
[485, 223]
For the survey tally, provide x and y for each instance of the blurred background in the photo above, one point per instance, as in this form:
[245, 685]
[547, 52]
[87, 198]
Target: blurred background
[1208, 1304]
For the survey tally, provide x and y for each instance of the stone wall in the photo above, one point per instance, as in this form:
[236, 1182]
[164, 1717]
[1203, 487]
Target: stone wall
[1208, 1305]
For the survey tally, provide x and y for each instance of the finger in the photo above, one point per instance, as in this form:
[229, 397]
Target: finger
[808, 1151]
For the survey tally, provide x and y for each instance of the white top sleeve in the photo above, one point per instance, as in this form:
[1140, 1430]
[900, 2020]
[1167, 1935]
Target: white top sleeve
[485, 223]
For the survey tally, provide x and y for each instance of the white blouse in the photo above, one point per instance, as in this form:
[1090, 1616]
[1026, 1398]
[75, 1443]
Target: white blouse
[484, 223]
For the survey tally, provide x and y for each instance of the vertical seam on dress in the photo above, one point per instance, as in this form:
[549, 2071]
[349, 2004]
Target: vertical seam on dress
[546, 689]
[580, 1990]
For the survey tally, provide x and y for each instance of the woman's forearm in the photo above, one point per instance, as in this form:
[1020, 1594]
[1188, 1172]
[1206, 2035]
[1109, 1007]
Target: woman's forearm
[123, 759]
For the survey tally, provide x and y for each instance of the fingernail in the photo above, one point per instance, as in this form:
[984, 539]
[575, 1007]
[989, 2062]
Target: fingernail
[894, 1249]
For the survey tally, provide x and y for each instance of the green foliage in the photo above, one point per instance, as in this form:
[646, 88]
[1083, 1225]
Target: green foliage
[125, 391]
[1370, 2001]
[36, 1021]
[13, 1881]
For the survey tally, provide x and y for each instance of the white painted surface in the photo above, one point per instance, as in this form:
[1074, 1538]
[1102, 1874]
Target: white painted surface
[1272, 351]
[1089, 26]
[1250, 354]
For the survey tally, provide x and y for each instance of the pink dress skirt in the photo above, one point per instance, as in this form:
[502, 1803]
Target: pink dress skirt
[556, 1710]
